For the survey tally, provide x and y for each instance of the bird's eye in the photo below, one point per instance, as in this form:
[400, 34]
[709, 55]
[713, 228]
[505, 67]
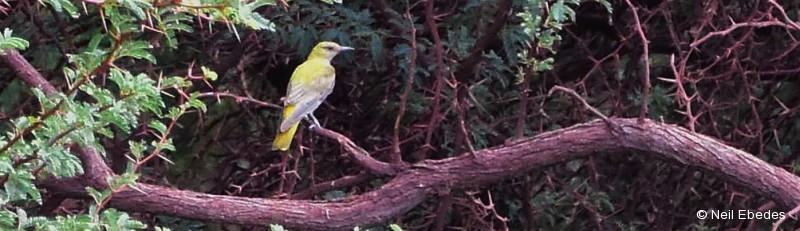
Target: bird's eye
[329, 48]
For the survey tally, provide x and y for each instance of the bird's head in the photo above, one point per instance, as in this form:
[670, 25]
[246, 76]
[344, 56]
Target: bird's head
[328, 50]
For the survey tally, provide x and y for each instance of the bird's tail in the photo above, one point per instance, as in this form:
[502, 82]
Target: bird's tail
[284, 138]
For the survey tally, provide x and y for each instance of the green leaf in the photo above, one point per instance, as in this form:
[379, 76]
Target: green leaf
[60, 162]
[248, 16]
[559, 11]
[167, 145]
[63, 5]
[95, 41]
[87, 61]
[7, 220]
[137, 7]
[175, 81]
[335, 195]
[117, 116]
[98, 196]
[544, 65]
[125, 179]
[276, 227]
[102, 95]
[158, 126]
[137, 149]
[171, 24]
[243, 163]
[174, 112]
[575, 165]
[8, 41]
[376, 47]
[208, 73]
[20, 187]
[197, 103]
[137, 50]
[120, 221]
[121, 21]
[395, 227]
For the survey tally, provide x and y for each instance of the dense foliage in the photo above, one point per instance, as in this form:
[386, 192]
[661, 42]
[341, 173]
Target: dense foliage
[186, 94]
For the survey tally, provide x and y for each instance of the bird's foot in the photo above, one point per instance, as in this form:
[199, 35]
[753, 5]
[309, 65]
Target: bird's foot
[315, 126]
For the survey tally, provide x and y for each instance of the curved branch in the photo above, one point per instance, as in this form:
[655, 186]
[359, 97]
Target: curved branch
[410, 187]
[362, 156]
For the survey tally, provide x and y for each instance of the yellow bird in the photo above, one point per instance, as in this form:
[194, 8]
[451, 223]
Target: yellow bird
[311, 82]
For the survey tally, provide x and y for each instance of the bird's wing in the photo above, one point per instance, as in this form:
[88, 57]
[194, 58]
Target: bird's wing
[311, 82]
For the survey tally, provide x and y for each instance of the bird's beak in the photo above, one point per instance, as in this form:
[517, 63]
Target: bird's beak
[344, 48]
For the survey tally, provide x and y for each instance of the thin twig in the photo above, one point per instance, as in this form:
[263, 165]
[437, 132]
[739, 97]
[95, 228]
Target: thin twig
[238, 98]
[789, 214]
[682, 98]
[412, 66]
[785, 16]
[522, 114]
[462, 127]
[438, 75]
[585, 105]
[734, 27]
[646, 60]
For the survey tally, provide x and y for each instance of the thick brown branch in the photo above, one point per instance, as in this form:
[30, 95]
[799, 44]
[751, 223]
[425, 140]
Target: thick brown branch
[410, 187]
[26, 71]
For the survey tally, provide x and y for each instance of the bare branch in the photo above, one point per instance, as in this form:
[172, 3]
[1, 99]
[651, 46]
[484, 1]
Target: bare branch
[734, 27]
[579, 98]
[438, 75]
[410, 187]
[26, 71]
[412, 67]
[645, 60]
[362, 156]
[219, 95]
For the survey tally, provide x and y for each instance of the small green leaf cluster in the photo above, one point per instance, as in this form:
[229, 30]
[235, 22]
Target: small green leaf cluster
[8, 41]
[39, 145]
[544, 29]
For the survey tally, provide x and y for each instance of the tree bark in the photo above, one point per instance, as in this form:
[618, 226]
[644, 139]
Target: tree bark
[411, 186]
[26, 71]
